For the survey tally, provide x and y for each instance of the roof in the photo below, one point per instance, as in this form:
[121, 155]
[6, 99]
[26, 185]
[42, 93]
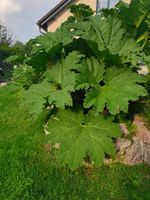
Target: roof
[42, 23]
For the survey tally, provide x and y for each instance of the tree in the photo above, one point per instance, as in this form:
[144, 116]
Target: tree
[5, 42]
[5, 37]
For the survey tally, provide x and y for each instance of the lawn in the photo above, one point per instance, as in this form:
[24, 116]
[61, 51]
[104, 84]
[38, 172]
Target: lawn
[27, 172]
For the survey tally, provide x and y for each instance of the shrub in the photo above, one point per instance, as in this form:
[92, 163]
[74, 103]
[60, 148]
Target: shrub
[24, 75]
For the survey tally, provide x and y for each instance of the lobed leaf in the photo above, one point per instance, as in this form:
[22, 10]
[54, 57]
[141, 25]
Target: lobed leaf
[80, 135]
[121, 86]
[91, 73]
[36, 96]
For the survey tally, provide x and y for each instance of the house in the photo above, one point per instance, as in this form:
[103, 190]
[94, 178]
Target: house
[55, 17]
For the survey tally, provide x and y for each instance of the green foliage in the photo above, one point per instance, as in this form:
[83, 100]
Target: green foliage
[115, 94]
[19, 52]
[36, 96]
[81, 136]
[15, 59]
[27, 173]
[136, 20]
[5, 51]
[90, 65]
[91, 73]
[24, 75]
[18, 48]
[55, 88]
[107, 36]
[81, 12]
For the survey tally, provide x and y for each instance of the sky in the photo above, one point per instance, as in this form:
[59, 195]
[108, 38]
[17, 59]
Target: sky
[20, 16]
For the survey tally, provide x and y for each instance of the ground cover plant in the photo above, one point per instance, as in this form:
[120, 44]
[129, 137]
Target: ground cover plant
[88, 76]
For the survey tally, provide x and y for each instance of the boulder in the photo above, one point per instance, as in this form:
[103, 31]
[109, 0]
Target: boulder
[134, 154]
[122, 144]
[142, 132]
[124, 129]
[138, 152]
[146, 156]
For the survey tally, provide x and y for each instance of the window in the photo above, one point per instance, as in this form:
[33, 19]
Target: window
[113, 3]
[106, 4]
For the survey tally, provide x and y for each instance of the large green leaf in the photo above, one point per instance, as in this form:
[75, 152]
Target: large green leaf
[135, 17]
[56, 88]
[39, 95]
[35, 97]
[81, 135]
[91, 73]
[109, 36]
[53, 42]
[120, 87]
[134, 14]
[61, 74]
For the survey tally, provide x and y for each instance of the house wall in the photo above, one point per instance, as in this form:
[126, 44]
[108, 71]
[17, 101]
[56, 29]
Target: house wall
[54, 24]
[127, 1]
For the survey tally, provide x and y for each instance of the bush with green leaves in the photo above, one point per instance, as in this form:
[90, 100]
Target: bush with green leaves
[24, 75]
[89, 76]
[136, 19]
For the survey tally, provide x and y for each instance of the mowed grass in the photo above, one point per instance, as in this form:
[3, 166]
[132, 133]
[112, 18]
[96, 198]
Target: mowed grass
[27, 172]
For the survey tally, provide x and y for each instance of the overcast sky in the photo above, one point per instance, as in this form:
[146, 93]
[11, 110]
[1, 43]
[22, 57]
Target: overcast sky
[21, 16]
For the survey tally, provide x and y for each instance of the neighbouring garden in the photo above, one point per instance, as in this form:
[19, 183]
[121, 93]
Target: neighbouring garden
[61, 112]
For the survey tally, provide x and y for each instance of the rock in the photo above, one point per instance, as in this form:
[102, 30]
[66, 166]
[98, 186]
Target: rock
[124, 129]
[137, 153]
[134, 154]
[143, 70]
[122, 144]
[139, 150]
[107, 161]
[3, 84]
[146, 157]
[142, 131]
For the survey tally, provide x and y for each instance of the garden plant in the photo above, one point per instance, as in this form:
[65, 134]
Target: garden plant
[87, 76]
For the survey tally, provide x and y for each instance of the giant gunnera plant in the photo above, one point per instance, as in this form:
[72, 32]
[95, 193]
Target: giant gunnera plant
[88, 75]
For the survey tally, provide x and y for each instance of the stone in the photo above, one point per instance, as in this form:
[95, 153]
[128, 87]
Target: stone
[143, 70]
[138, 152]
[3, 84]
[142, 132]
[146, 157]
[122, 144]
[124, 129]
[134, 154]
[107, 161]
